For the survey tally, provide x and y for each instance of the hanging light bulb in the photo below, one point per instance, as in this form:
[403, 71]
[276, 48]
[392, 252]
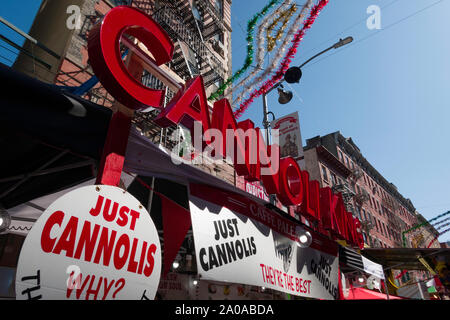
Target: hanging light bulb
[5, 220]
[304, 237]
[195, 282]
[175, 264]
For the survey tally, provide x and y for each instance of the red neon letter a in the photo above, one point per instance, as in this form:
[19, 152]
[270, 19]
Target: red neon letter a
[189, 105]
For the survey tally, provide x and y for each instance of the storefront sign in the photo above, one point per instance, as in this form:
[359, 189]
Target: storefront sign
[93, 243]
[251, 157]
[235, 241]
[287, 131]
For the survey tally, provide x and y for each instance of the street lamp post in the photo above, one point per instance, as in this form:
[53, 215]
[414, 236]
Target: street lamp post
[293, 75]
[286, 95]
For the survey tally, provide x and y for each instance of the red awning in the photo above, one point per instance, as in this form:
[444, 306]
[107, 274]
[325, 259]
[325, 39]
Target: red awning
[365, 294]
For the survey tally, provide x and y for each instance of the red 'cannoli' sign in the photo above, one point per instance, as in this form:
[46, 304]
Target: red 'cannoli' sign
[93, 243]
[282, 177]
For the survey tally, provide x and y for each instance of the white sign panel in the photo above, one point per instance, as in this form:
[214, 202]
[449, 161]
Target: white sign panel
[93, 243]
[373, 268]
[234, 248]
[289, 135]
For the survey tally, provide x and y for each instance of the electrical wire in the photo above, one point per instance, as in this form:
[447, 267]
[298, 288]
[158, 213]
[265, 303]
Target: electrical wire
[347, 29]
[378, 32]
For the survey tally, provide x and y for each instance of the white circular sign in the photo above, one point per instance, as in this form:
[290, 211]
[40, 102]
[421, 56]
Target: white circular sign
[93, 243]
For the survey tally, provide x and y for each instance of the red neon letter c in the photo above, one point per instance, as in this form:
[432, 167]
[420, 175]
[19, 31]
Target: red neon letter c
[106, 61]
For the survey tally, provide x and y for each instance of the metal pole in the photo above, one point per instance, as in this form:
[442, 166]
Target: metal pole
[25, 35]
[386, 284]
[317, 55]
[265, 120]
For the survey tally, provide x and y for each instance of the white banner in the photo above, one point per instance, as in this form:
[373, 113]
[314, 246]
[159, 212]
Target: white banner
[234, 248]
[93, 243]
[373, 268]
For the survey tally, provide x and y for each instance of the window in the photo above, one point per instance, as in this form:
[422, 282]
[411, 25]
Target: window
[358, 213]
[324, 173]
[219, 82]
[340, 156]
[219, 37]
[197, 14]
[333, 179]
[219, 7]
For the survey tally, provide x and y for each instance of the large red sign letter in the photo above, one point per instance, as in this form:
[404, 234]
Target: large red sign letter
[106, 60]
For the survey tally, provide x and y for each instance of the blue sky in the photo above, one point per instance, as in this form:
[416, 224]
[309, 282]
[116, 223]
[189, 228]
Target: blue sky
[388, 90]
[21, 14]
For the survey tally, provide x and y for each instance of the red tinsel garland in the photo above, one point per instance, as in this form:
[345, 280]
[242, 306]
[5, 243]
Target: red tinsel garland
[286, 60]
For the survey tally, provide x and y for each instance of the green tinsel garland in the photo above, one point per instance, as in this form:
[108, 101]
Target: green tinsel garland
[250, 50]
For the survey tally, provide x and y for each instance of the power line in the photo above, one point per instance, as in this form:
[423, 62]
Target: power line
[379, 31]
[348, 28]
[3, 57]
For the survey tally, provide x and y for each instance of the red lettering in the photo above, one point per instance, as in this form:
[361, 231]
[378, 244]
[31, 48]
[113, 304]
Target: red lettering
[91, 291]
[104, 57]
[349, 228]
[107, 287]
[247, 162]
[132, 264]
[110, 216]
[78, 291]
[291, 189]
[123, 217]
[142, 257]
[305, 207]
[96, 211]
[47, 243]
[151, 260]
[271, 179]
[314, 194]
[359, 236]
[134, 216]
[67, 240]
[339, 217]
[87, 241]
[328, 202]
[119, 261]
[189, 105]
[105, 246]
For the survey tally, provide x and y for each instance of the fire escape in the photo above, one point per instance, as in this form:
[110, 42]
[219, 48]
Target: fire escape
[347, 195]
[196, 53]
[192, 55]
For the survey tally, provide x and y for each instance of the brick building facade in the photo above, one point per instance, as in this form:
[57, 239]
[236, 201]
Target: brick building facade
[337, 162]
